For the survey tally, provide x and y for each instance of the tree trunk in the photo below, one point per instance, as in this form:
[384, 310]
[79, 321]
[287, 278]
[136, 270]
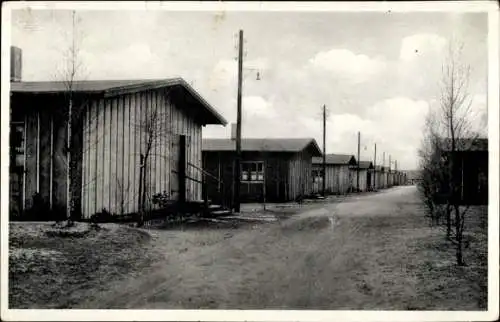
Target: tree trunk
[69, 181]
[140, 216]
[448, 221]
[459, 236]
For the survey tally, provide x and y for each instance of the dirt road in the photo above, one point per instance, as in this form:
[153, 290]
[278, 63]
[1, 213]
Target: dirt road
[358, 254]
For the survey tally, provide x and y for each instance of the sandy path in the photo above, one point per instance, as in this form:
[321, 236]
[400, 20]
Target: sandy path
[338, 256]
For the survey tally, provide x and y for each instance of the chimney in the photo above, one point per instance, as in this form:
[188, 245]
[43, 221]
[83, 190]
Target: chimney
[16, 64]
[233, 131]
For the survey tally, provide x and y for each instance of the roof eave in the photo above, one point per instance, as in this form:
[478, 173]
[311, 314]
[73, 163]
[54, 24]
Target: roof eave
[218, 118]
[317, 152]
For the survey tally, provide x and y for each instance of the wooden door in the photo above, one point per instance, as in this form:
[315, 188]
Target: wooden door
[16, 169]
[174, 164]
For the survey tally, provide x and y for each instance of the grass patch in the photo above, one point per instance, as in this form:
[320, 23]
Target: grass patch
[55, 267]
[441, 283]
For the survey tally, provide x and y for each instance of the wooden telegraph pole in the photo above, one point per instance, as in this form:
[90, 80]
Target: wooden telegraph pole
[324, 150]
[396, 172]
[375, 168]
[384, 183]
[238, 128]
[390, 175]
[357, 168]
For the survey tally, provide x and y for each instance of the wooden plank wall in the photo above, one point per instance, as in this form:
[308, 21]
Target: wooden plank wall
[383, 180]
[337, 178]
[378, 180]
[114, 138]
[318, 186]
[330, 184]
[276, 177]
[183, 124]
[344, 179]
[39, 159]
[59, 189]
[31, 174]
[276, 171]
[45, 157]
[362, 179]
[45, 141]
[300, 176]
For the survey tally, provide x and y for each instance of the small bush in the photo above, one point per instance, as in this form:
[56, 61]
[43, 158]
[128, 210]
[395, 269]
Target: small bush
[103, 216]
[69, 231]
[40, 211]
[162, 199]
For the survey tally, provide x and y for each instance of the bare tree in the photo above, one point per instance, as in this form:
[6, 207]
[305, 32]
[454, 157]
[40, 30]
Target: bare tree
[432, 174]
[123, 194]
[71, 71]
[154, 130]
[448, 132]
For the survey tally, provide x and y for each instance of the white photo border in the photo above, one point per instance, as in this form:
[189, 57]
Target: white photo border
[267, 315]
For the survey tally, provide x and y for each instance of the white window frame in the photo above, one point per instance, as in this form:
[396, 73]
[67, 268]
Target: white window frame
[20, 151]
[251, 176]
[317, 175]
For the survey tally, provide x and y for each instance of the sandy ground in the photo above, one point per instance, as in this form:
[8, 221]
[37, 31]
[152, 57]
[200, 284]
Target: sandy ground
[373, 251]
[52, 267]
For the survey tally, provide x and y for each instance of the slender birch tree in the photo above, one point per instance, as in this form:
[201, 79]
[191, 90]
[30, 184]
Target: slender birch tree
[448, 132]
[155, 132]
[71, 71]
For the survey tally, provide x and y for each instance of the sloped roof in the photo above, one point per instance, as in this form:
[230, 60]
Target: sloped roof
[267, 145]
[341, 159]
[109, 88]
[365, 165]
[466, 144]
[413, 174]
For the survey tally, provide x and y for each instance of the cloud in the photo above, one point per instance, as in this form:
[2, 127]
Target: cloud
[419, 45]
[399, 120]
[346, 64]
[109, 64]
[395, 124]
[225, 72]
[479, 114]
[256, 106]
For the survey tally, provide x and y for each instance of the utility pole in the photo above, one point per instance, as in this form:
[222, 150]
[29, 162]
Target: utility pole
[396, 171]
[238, 128]
[324, 150]
[375, 168]
[357, 168]
[384, 176]
[390, 175]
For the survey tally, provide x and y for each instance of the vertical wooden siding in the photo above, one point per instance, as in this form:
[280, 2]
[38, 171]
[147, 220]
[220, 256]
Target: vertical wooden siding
[45, 161]
[362, 179]
[45, 157]
[114, 139]
[220, 165]
[36, 177]
[300, 175]
[338, 178]
[345, 179]
[31, 174]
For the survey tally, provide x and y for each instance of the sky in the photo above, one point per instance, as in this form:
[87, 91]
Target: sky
[377, 72]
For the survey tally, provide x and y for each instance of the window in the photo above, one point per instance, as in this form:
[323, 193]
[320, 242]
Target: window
[317, 175]
[17, 144]
[252, 171]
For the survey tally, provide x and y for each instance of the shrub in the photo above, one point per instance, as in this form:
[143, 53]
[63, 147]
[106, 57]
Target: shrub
[103, 216]
[40, 211]
[162, 199]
